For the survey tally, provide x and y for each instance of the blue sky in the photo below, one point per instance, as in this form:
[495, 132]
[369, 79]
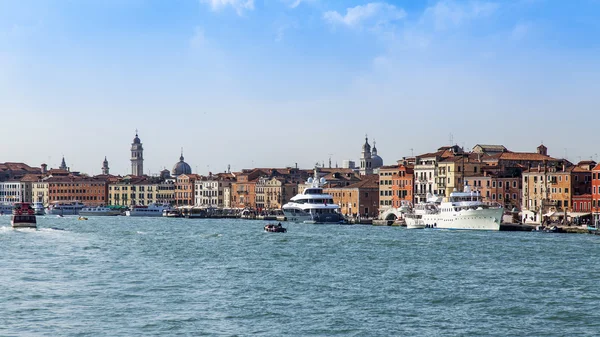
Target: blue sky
[278, 82]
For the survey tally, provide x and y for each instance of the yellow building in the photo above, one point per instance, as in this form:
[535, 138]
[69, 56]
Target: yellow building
[39, 192]
[451, 172]
[140, 191]
[386, 194]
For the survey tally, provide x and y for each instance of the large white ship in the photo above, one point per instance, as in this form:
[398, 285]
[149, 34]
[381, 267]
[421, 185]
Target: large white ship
[313, 205]
[99, 211]
[150, 210]
[465, 210]
[65, 208]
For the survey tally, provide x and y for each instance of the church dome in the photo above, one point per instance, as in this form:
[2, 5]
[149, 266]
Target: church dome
[181, 167]
[376, 160]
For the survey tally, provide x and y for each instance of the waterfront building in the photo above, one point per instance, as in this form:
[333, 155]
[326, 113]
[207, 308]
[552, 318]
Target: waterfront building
[89, 191]
[425, 172]
[27, 183]
[137, 156]
[403, 185]
[210, 191]
[11, 191]
[358, 199]
[452, 172]
[503, 187]
[548, 190]
[596, 194]
[185, 186]
[39, 191]
[243, 190]
[386, 193]
[135, 190]
[105, 168]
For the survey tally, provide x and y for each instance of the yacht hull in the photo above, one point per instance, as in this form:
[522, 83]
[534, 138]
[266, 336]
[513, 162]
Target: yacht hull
[480, 219]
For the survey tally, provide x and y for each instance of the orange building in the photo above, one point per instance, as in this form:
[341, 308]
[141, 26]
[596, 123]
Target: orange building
[89, 191]
[504, 188]
[402, 185]
[596, 194]
[185, 189]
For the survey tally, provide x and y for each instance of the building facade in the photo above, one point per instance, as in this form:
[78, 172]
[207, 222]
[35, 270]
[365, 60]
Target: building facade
[359, 199]
[386, 190]
[402, 186]
[89, 191]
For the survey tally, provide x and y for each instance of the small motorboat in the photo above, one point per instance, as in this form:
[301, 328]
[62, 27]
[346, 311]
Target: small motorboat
[275, 228]
[82, 218]
[23, 216]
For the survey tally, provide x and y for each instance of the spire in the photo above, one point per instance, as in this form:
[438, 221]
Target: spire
[374, 148]
[63, 164]
[181, 157]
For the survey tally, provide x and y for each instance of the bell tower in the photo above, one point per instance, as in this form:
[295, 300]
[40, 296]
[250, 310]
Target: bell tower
[105, 168]
[137, 156]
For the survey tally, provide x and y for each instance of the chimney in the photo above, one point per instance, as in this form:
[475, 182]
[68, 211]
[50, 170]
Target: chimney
[44, 168]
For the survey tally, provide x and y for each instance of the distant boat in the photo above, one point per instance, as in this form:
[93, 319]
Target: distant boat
[23, 216]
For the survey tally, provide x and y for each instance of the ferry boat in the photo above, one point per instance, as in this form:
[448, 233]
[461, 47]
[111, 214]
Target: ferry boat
[6, 209]
[313, 206]
[23, 216]
[99, 211]
[150, 210]
[465, 210]
[65, 208]
[38, 208]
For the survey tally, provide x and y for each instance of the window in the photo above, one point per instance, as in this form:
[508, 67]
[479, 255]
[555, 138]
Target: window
[494, 196]
[566, 190]
[500, 184]
[514, 196]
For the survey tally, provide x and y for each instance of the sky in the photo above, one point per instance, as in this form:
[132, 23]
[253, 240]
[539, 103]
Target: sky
[275, 83]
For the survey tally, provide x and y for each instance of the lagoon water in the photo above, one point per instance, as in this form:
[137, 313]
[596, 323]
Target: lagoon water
[125, 276]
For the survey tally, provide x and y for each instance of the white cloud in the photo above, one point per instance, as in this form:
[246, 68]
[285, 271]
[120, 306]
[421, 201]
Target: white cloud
[239, 5]
[379, 12]
[296, 3]
[447, 13]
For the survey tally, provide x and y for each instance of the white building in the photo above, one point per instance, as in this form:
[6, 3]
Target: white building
[11, 191]
[210, 191]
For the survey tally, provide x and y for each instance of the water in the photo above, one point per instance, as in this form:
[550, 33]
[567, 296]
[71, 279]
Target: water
[175, 277]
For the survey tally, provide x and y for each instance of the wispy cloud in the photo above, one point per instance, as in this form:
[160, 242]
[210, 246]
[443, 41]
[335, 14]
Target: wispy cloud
[239, 5]
[379, 13]
[296, 3]
[447, 13]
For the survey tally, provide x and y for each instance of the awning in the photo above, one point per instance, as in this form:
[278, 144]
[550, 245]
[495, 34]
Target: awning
[550, 214]
[577, 214]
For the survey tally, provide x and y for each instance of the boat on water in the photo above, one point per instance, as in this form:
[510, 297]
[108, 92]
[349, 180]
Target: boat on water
[82, 218]
[23, 216]
[414, 214]
[275, 228]
[313, 205]
[147, 211]
[172, 213]
[99, 211]
[6, 209]
[465, 210]
[65, 208]
[38, 208]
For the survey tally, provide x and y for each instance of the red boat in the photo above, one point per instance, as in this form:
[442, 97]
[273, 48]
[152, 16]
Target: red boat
[23, 216]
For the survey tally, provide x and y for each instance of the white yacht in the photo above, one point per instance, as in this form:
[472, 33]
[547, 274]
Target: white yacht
[23, 216]
[414, 215]
[150, 210]
[65, 208]
[313, 206]
[99, 211]
[465, 210]
[39, 208]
